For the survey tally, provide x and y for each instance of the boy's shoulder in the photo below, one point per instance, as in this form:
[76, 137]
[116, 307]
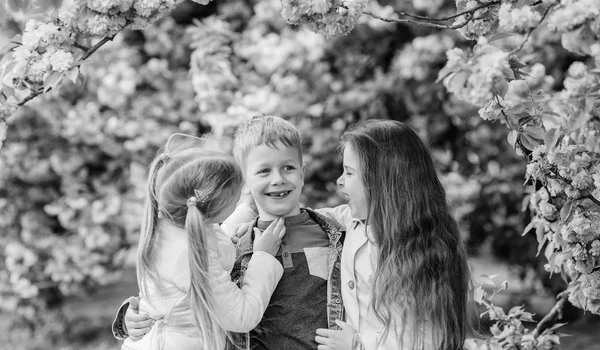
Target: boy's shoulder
[328, 224]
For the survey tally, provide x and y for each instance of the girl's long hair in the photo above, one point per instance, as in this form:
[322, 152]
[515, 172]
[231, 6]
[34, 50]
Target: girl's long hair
[422, 283]
[188, 186]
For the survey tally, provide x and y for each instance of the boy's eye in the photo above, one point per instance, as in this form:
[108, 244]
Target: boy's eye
[289, 168]
[262, 171]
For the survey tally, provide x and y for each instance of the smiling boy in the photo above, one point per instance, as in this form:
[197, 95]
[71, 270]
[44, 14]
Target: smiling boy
[270, 153]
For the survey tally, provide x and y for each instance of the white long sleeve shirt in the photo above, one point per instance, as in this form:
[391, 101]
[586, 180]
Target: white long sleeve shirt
[359, 264]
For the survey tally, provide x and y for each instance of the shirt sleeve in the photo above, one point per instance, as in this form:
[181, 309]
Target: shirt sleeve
[242, 214]
[241, 309]
[341, 214]
[118, 326]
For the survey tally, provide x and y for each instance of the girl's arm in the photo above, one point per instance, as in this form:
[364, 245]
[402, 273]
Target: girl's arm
[243, 213]
[241, 309]
[341, 214]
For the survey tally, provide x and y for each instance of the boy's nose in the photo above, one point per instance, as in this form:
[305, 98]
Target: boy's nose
[277, 178]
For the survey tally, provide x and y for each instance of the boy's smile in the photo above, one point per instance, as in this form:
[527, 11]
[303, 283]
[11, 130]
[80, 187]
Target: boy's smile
[275, 177]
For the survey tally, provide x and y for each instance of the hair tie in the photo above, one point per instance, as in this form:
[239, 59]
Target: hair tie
[192, 201]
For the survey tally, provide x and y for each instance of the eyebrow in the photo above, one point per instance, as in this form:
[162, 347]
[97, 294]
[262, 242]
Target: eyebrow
[348, 167]
[263, 164]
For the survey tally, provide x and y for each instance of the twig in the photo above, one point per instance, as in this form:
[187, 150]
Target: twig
[520, 47]
[551, 318]
[427, 21]
[85, 56]
[82, 47]
[592, 198]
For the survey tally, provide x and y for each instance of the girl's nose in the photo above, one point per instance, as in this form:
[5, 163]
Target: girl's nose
[340, 180]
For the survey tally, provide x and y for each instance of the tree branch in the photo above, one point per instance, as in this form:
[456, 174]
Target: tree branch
[85, 56]
[427, 21]
[593, 199]
[82, 47]
[544, 15]
[553, 316]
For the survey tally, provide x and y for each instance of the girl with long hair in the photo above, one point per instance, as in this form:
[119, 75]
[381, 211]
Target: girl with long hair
[405, 278]
[184, 258]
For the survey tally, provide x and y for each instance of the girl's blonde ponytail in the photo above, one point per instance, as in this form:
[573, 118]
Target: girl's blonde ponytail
[201, 297]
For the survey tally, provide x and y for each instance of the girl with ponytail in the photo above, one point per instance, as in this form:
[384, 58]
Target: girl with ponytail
[405, 278]
[184, 258]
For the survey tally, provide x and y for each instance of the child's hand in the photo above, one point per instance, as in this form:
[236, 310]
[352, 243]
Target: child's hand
[242, 230]
[269, 240]
[335, 340]
[136, 324]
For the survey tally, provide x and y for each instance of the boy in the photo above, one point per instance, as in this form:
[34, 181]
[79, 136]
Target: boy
[308, 295]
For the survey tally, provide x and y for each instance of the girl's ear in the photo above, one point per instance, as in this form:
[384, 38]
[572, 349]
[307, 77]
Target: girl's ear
[245, 190]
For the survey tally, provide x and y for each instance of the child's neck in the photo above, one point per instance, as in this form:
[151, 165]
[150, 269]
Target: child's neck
[264, 216]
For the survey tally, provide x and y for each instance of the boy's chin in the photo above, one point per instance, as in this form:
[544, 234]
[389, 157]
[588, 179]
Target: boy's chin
[273, 213]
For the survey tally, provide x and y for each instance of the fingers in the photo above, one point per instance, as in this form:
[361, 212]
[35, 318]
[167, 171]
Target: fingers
[234, 239]
[134, 303]
[142, 324]
[322, 340]
[257, 233]
[281, 232]
[323, 347]
[275, 226]
[323, 332]
[138, 333]
[243, 228]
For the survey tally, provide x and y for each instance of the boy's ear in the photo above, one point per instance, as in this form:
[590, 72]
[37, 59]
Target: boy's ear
[245, 190]
[303, 170]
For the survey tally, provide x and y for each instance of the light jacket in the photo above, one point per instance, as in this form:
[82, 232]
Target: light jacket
[335, 306]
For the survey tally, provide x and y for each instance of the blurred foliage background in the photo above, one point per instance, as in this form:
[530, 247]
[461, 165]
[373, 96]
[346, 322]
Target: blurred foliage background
[74, 164]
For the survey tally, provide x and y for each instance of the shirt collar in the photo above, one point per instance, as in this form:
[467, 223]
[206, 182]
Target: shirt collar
[360, 225]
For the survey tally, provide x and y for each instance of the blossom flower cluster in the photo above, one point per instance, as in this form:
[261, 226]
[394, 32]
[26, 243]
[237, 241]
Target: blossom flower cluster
[579, 23]
[106, 18]
[517, 20]
[417, 59]
[569, 173]
[328, 17]
[46, 48]
[480, 77]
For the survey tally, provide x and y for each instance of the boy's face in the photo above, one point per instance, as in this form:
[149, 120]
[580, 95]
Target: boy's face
[275, 177]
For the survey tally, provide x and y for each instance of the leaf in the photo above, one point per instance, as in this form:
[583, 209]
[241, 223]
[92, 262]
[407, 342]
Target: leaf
[457, 81]
[444, 72]
[577, 120]
[512, 137]
[535, 131]
[478, 295]
[499, 36]
[514, 64]
[525, 120]
[528, 142]
[566, 210]
[551, 138]
[72, 74]
[52, 80]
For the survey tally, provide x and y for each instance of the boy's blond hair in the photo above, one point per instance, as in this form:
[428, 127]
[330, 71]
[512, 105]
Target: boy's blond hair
[264, 130]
